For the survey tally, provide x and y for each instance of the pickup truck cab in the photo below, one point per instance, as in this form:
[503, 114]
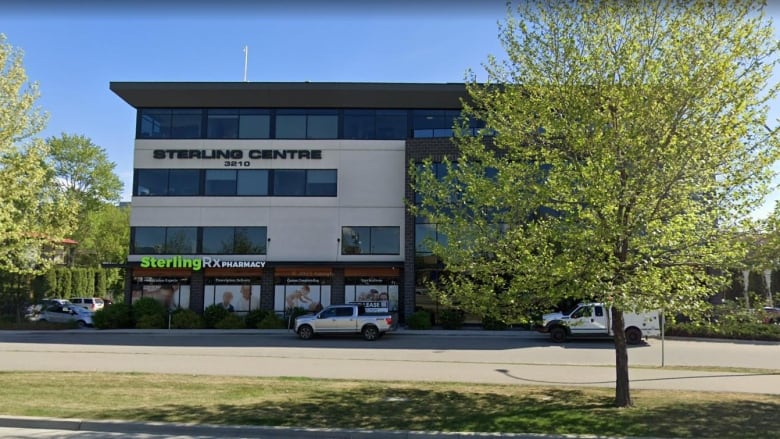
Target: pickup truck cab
[595, 320]
[344, 319]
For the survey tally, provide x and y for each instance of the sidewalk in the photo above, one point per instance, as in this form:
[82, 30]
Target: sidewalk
[242, 431]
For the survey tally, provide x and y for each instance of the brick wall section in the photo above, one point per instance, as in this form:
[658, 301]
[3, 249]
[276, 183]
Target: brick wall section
[197, 280]
[416, 151]
[337, 287]
[267, 289]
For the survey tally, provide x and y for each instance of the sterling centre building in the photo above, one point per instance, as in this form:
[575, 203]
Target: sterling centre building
[270, 196]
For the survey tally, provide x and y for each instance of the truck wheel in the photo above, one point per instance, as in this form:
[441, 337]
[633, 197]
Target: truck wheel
[558, 334]
[305, 332]
[370, 333]
[633, 335]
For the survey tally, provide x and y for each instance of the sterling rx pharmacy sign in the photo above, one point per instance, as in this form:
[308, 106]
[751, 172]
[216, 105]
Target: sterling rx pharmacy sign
[196, 263]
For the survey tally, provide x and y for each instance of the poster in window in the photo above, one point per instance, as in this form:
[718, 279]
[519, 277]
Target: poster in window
[235, 295]
[172, 293]
[306, 293]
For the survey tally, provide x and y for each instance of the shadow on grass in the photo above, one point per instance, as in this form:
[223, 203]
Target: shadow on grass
[560, 411]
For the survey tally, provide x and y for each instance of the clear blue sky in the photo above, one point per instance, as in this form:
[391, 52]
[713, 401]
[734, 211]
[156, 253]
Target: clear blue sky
[74, 51]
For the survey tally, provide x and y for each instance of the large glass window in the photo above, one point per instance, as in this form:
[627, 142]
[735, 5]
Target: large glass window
[434, 123]
[181, 240]
[183, 182]
[220, 182]
[151, 182]
[149, 240]
[391, 124]
[370, 240]
[359, 124]
[254, 124]
[321, 183]
[307, 124]
[289, 182]
[186, 124]
[155, 123]
[252, 183]
[234, 240]
[222, 124]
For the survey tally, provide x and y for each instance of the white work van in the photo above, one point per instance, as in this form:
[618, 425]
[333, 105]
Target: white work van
[595, 320]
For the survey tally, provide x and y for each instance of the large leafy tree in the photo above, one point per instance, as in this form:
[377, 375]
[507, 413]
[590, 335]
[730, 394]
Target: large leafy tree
[84, 171]
[34, 216]
[104, 235]
[629, 141]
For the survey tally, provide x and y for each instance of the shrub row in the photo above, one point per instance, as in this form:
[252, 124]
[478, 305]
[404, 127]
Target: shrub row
[148, 313]
[741, 331]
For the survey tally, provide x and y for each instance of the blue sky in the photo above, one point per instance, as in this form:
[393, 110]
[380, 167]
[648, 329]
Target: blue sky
[73, 51]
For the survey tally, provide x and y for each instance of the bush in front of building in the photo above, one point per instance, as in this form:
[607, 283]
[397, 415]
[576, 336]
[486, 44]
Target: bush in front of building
[151, 321]
[452, 318]
[116, 316]
[253, 318]
[741, 331]
[420, 320]
[230, 321]
[214, 314]
[272, 321]
[147, 312]
[186, 319]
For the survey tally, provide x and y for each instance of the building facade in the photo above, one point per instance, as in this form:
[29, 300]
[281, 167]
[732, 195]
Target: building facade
[280, 195]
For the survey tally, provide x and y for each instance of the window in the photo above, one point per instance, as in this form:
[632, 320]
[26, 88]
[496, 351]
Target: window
[423, 232]
[370, 240]
[186, 124]
[359, 124]
[220, 182]
[254, 124]
[391, 124]
[168, 240]
[183, 182]
[289, 182]
[307, 124]
[599, 311]
[234, 240]
[222, 124]
[252, 183]
[149, 240]
[155, 123]
[151, 182]
[321, 183]
[434, 123]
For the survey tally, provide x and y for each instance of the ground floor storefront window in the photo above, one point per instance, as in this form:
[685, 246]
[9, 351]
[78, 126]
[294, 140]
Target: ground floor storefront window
[235, 294]
[172, 292]
[309, 289]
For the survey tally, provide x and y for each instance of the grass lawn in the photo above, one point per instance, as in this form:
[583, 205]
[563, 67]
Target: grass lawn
[303, 402]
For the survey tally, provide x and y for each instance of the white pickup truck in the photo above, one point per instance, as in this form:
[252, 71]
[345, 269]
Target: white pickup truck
[595, 320]
[344, 319]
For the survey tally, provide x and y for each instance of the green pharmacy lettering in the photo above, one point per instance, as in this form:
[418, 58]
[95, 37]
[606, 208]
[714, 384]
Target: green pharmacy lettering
[174, 262]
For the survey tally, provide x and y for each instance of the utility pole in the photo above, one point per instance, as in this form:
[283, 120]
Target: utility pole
[246, 60]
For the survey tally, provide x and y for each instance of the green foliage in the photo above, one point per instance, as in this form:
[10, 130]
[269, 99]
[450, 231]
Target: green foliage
[148, 306]
[213, 314]
[291, 313]
[420, 320]
[101, 282]
[451, 318]
[272, 321]
[84, 171]
[151, 321]
[116, 316]
[230, 321]
[186, 319]
[729, 329]
[252, 318]
[64, 282]
[623, 163]
[491, 323]
[103, 235]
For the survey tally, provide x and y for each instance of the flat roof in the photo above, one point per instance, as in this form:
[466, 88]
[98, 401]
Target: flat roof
[290, 94]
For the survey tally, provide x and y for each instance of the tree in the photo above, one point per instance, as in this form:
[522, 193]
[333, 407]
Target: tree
[103, 236]
[84, 171]
[628, 143]
[34, 217]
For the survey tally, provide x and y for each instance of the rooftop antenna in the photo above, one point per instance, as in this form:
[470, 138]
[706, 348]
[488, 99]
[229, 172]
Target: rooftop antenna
[246, 60]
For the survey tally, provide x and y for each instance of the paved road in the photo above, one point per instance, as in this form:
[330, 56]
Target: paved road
[481, 357]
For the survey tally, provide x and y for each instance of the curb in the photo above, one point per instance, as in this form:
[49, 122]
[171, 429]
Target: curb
[225, 431]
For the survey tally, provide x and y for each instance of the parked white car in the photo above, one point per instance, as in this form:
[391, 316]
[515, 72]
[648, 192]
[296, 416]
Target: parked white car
[63, 311]
[594, 320]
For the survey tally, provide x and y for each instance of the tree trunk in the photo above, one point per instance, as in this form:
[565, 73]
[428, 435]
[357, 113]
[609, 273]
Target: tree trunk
[622, 391]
